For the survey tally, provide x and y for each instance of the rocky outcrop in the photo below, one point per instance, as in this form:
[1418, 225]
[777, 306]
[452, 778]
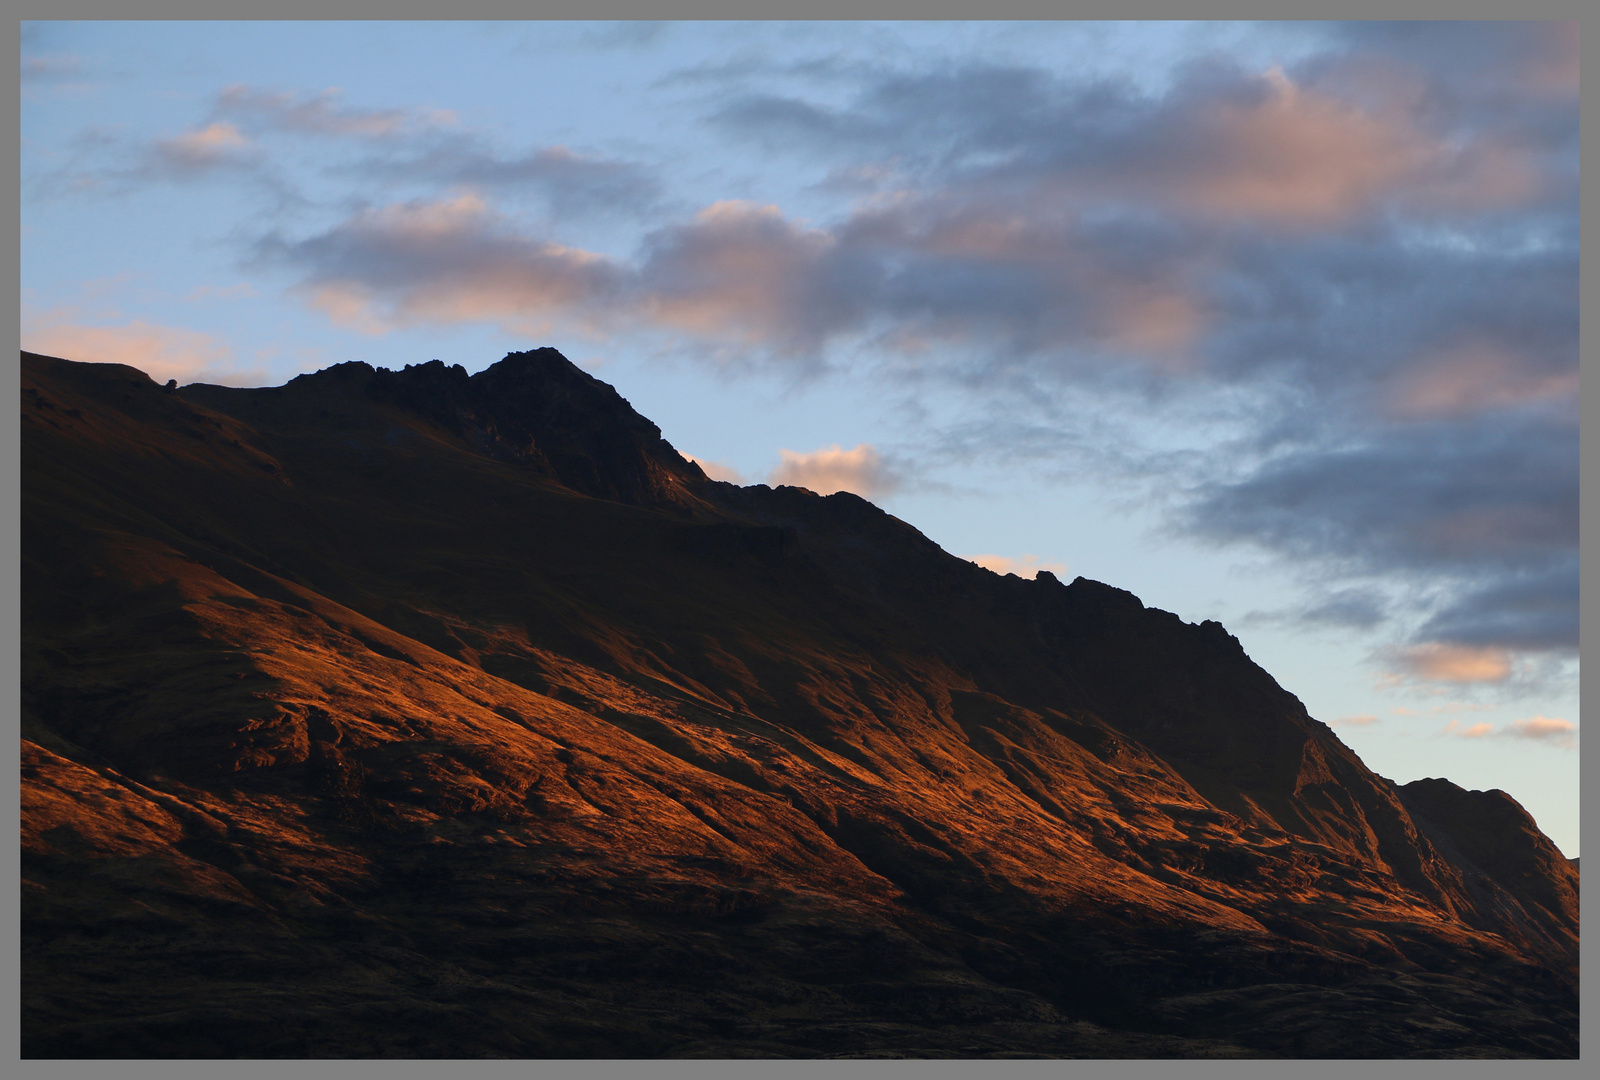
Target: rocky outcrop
[418, 714]
[533, 408]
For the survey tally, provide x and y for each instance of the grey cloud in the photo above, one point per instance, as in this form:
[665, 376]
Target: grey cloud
[1474, 58]
[1535, 611]
[780, 123]
[1487, 512]
[945, 119]
[1358, 608]
[571, 183]
[1422, 496]
[1354, 608]
[1381, 326]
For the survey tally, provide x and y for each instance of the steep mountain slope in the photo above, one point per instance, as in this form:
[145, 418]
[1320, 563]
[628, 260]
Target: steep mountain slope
[418, 714]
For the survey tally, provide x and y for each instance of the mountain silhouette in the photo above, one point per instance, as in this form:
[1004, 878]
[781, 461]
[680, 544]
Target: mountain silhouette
[419, 714]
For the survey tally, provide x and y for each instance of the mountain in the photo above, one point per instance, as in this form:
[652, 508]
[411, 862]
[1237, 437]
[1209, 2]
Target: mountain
[418, 714]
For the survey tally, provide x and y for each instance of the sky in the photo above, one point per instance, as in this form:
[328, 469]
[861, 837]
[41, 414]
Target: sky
[1273, 324]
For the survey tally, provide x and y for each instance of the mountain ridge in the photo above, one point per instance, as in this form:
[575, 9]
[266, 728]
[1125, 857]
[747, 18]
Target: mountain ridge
[705, 702]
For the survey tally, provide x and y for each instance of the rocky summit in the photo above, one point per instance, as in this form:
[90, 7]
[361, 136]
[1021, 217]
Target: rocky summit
[418, 714]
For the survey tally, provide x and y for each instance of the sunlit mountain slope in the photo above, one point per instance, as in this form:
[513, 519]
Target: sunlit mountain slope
[413, 714]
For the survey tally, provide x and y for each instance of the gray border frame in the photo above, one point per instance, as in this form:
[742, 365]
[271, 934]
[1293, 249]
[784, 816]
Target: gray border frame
[10, 581]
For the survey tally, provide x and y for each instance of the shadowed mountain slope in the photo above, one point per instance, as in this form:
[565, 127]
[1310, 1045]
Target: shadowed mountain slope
[419, 714]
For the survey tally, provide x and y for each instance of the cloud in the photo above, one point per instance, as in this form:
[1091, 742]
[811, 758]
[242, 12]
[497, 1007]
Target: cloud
[830, 469]
[742, 271]
[1353, 607]
[1413, 496]
[247, 127]
[321, 114]
[1476, 375]
[1549, 729]
[452, 260]
[1536, 610]
[1552, 731]
[162, 352]
[430, 146]
[1271, 148]
[202, 148]
[1481, 730]
[1485, 509]
[570, 182]
[744, 276]
[1027, 566]
[717, 470]
[1284, 154]
[47, 71]
[1552, 65]
[1363, 720]
[1438, 662]
[1477, 60]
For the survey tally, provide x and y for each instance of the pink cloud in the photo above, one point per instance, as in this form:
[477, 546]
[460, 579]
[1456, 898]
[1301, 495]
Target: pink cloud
[1027, 566]
[1476, 731]
[1550, 729]
[1364, 720]
[717, 470]
[1472, 376]
[1437, 662]
[215, 144]
[1299, 157]
[861, 470]
[162, 352]
[1296, 156]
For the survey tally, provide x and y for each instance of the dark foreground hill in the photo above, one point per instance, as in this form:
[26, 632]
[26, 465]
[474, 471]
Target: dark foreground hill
[413, 714]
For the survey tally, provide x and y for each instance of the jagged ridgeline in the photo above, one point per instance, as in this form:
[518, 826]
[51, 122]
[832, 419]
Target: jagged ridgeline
[407, 713]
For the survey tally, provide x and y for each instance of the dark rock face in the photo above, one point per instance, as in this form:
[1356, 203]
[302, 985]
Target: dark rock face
[534, 408]
[1508, 866]
[424, 715]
